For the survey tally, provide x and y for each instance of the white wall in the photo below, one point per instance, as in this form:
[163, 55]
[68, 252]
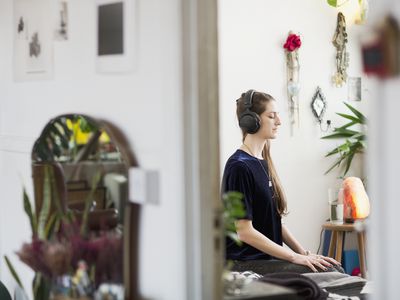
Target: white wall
[145, 104]
[251, 55]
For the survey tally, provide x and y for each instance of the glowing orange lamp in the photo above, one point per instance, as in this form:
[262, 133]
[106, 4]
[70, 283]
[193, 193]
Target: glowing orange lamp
[355, 200]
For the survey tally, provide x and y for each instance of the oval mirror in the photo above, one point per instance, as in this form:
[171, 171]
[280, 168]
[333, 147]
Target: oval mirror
[89, 159]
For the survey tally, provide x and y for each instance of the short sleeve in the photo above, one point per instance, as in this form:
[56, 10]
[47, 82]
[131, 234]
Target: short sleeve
[239, 179]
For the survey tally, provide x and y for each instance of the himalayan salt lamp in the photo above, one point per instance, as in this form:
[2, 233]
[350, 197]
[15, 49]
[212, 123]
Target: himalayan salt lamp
[355, 200]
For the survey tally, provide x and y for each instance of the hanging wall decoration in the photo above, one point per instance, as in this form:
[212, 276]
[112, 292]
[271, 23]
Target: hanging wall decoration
[342, 56]
[291, 46]
[318, 107]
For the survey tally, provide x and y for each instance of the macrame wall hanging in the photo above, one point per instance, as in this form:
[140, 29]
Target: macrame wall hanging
[342, 56]
[291, 46]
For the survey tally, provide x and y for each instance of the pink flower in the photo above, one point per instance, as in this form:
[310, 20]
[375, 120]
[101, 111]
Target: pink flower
[293, 42]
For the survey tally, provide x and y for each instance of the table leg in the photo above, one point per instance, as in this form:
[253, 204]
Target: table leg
[339, 246]
[361, 253]
[332, 244]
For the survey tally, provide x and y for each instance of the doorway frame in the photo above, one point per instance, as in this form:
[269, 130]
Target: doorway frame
[203, 235]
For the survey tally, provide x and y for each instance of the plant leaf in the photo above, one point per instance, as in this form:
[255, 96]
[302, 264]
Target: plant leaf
[344, 148]
[41, 287]
[235, 237]
[337, 163]
[357, 113]
[13, 272]
[334, 151]
[351, 118]
[348, 125]
[55, 193]
[88, 202]
[359, 136]
[63, 140]
[340, 135]
[332, 3]
[233, 210]
[354, 139]
[46, 202]
[348, 163]
[50, 226]
[86, 126]
[28, 210]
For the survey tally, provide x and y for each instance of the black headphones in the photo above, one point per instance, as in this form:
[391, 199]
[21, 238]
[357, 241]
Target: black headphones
[249, 120]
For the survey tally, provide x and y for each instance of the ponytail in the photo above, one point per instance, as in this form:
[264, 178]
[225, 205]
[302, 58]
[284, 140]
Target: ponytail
[278, 193]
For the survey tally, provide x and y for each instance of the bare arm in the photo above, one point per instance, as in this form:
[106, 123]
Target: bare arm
[248, 234]
[294, 244]
[291, 241]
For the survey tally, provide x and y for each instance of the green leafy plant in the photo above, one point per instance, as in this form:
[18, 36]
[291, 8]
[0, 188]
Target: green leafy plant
[40, 225]
[58, 140]
[58, 237]
[355, 140]
[338, 3]
[233, 210]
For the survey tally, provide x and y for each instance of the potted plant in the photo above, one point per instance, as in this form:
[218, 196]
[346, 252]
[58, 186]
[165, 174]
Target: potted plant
[355, 139]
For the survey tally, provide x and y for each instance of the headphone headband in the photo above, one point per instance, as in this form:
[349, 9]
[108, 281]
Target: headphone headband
[248, 99]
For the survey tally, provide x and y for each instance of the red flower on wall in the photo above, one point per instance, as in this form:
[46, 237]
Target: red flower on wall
[293, 42]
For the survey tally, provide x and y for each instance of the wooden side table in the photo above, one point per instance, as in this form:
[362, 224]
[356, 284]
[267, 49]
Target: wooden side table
[337, 237]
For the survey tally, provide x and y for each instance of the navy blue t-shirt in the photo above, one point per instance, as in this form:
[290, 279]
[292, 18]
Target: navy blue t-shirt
[248, 175]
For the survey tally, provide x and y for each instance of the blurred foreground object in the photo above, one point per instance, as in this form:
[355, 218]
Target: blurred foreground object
[381, 49]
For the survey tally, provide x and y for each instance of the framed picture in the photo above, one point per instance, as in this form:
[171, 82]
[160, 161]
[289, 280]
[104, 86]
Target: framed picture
[115, 30]
[354, 88]
[33, 51]
[61, 20]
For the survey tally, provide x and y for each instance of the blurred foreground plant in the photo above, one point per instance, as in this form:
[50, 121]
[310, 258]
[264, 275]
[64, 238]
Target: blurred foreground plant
[61, 242]
[233, 210]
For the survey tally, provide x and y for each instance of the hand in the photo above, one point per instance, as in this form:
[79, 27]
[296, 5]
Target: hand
[326, 259]
[312, 261]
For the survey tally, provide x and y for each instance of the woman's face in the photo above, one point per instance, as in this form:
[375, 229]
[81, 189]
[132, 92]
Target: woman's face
[270, 121]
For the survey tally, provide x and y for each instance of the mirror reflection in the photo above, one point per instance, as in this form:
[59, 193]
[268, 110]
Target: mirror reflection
[80, 149]
[80, 177]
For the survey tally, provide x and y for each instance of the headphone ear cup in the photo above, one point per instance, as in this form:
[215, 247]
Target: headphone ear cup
[250, 122]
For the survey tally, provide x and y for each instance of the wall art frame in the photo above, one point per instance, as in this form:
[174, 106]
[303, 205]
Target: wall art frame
[33, 47]
[115, 35]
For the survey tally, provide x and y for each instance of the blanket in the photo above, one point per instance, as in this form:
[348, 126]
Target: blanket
[305, 288]
[335, 282]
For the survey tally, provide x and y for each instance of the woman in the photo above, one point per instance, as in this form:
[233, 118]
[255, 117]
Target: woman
[250, 171]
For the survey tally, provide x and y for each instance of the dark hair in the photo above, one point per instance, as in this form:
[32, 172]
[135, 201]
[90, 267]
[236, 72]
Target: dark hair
[259, 105]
